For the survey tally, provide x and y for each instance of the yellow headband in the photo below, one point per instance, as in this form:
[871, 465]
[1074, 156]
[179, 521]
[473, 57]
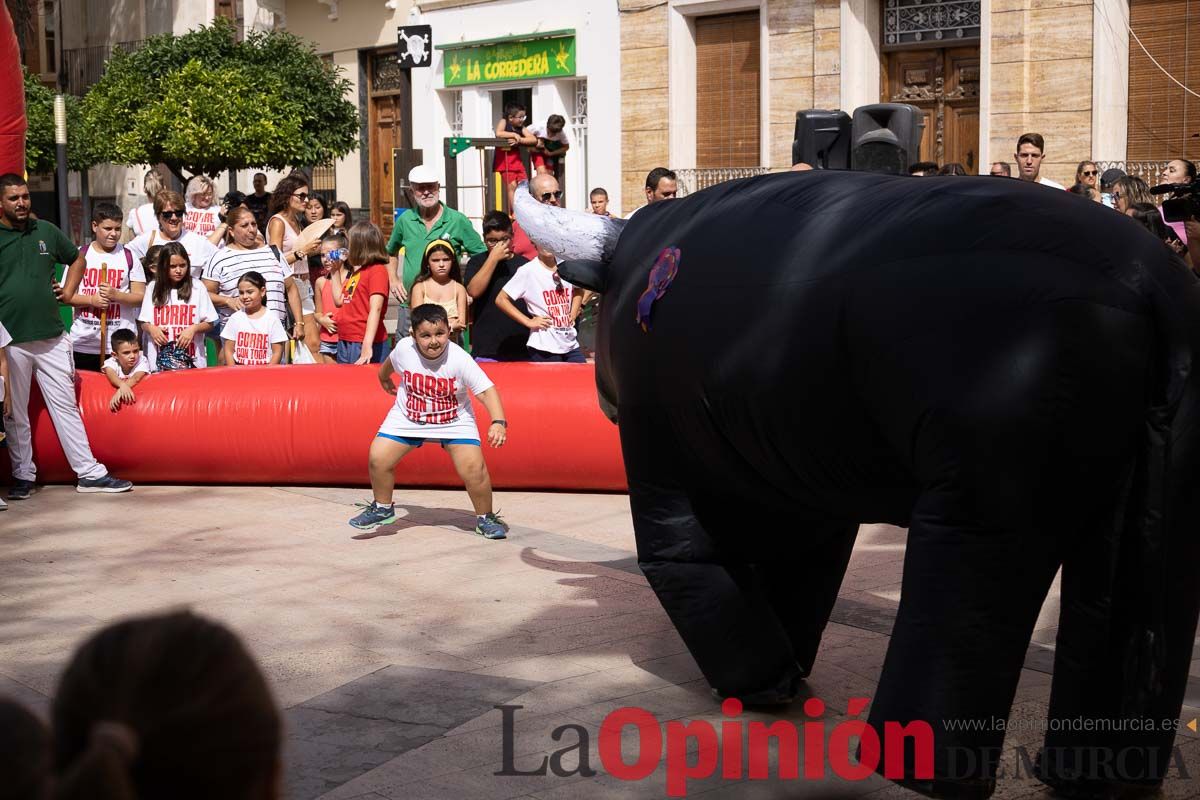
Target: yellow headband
[435, 243]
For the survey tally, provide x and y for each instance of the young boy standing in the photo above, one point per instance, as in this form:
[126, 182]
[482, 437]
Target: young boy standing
[553, 307]
[125, 368]
[120, 292]
[433, 404]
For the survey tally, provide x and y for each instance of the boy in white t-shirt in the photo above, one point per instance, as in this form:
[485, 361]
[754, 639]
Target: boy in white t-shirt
[125, 368]
[121, 292]
[553, 305]
[433, 403]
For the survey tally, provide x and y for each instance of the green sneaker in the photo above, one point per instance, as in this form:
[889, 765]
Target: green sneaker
[373, 516]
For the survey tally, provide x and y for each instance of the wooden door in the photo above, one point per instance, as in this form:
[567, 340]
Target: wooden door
[944, 84]
[384, 135]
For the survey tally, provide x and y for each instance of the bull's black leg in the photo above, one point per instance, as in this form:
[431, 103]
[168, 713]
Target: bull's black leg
[970, 600]
[802, 587]
[720, 609]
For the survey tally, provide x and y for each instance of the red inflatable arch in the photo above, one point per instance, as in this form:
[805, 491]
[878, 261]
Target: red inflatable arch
[12, 99]
[312, 425]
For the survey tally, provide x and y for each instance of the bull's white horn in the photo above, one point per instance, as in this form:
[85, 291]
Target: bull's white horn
[568, 234]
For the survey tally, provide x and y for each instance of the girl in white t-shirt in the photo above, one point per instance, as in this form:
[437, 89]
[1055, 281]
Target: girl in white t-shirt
[553, 305]
[436, 379]
[253, 336]
[440, 282]
[176, 313]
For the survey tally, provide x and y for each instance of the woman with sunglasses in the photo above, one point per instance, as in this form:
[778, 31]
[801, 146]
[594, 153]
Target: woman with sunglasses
[1088, 174]
[1130, 190]
[287, 208]
[170, 210]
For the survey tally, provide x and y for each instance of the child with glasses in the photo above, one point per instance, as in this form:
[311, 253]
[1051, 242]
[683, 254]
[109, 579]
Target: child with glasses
[508, 160]
[553, 305]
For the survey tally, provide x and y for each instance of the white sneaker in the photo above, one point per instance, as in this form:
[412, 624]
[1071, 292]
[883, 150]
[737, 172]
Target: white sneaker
[3, 505]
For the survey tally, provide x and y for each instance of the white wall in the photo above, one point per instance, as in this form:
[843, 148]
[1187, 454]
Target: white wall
[597, 59]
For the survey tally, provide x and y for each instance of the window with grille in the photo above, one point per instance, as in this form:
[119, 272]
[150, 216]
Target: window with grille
[727, 91]
[1164, 118]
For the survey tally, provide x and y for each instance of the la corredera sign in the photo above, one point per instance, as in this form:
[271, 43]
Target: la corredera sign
[509, 61]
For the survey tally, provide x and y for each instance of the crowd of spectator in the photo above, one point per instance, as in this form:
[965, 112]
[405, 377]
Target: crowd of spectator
[1127, 194]
[288, 275]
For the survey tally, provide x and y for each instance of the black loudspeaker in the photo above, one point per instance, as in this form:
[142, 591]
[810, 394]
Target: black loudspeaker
[887, 138]
[822, 139]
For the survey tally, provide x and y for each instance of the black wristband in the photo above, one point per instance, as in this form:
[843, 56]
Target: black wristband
[502, 422]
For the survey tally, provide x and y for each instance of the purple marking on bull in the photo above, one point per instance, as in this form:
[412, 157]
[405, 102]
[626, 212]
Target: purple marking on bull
[661, 274]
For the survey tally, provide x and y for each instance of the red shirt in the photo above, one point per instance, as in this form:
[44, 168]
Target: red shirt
[521, 244]
[357, 292]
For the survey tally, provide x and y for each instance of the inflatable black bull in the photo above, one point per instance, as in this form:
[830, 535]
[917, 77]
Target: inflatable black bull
[1004, 369]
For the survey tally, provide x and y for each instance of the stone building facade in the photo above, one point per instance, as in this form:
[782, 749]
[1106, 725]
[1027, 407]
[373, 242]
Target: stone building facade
[984, 72]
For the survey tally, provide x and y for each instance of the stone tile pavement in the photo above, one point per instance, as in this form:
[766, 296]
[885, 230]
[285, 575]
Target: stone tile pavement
[390, 653]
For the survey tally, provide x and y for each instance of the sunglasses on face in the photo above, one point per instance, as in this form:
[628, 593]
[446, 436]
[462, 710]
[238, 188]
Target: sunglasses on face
[546, 196]
[1090, 173]
[301, 196]
[1116, 195]
[171, 214]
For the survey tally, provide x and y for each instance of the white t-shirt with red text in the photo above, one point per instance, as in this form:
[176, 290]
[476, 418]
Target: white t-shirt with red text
[433, 397]
[535, 284]
[142, 365]
[177, 315]
[252, 338]
[85, 331]
[201, 220]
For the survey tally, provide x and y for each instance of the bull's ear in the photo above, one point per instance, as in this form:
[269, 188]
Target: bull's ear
[585, 273]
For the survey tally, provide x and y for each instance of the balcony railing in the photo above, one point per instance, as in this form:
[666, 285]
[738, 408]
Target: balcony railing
[693, 180]
[83, 66]
[1149, 171]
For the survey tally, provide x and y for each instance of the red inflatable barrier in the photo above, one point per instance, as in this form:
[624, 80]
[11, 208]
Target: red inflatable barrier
[312, 425]
[12, 99]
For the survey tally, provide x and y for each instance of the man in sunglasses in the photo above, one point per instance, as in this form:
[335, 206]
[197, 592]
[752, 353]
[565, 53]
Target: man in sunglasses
[169, 210]
[544, 189]
[30, 249]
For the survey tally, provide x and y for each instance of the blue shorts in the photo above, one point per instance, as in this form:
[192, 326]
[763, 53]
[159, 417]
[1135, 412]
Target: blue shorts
[415, 441]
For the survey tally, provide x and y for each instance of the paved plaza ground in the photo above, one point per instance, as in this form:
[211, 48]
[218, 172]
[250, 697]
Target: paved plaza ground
[389, 653]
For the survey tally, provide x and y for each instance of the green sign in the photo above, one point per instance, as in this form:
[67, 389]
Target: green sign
[510, 61]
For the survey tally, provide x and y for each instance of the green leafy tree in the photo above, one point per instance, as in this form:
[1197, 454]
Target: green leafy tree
[204, 103]
[39, 137]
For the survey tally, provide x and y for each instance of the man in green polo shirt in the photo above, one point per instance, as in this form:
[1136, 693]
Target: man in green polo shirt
[30, 249]
[415, 229]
